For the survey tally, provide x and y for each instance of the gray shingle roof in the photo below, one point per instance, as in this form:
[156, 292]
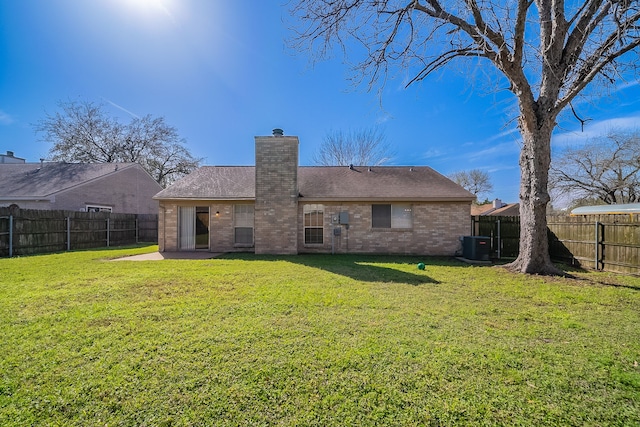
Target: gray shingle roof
[32, 180]
[323, 183]
[214, 183]
[378, 183]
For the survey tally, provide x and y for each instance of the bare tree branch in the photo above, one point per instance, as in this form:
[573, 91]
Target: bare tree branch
[607, 168]
[364, 147]
[83, 132]
[549, 51]
[475, 181]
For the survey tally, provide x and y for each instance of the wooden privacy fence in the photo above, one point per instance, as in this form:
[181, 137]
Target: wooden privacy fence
[26, 232]
[601, 242]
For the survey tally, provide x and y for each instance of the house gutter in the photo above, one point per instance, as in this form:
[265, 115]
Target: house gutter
[209, 199]
[28, 199]
[384, 199]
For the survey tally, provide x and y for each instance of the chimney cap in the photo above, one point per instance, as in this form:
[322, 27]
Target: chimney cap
[278, 132]
[9, 153]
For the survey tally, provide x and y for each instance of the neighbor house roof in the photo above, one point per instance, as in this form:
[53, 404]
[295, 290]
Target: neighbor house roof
[29, 181]
[323, 183]
[510, 209]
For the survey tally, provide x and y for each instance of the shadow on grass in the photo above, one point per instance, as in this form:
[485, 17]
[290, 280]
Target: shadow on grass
[364, 268]
[575, 273]
[605, 282]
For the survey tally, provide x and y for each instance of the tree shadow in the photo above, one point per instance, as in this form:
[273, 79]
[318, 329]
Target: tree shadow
[602, 282]
[364, 268]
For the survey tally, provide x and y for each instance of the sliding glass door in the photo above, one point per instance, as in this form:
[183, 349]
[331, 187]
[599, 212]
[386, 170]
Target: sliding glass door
[194, 227]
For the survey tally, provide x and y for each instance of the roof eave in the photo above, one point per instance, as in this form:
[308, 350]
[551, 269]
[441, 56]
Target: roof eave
[208, 199]
[386, 199]
[27, 198]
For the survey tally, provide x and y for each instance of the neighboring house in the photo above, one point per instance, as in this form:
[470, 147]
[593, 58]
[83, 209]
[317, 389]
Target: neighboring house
[111, 187]
[10, 158]
[278, 207]
[497, 208]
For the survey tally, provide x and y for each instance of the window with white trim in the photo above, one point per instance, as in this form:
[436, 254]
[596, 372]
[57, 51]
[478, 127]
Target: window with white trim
[391, 216]
[313, 224]
[243, 224]
[98, 208]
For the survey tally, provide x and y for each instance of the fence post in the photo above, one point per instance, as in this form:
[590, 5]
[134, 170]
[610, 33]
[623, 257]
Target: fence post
[107, 232]
[68, 219]
[499, 239]
[10, 236]
[137, 233]
[597, 246]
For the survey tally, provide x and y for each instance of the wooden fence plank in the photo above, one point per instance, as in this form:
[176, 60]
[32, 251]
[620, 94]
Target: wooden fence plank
[572, 239]
[44, 231]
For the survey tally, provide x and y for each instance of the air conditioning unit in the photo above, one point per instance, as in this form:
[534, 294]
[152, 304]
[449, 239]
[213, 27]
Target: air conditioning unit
[476, 248]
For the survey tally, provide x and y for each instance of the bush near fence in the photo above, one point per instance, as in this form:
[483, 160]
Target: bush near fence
[27, 232]
[602, 242]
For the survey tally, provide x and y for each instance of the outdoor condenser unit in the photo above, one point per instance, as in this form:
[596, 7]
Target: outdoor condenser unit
[476, 248]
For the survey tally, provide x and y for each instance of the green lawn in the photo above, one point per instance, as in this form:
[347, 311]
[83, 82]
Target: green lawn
[248, 340]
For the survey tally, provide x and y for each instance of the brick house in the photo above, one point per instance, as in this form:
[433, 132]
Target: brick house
[94, 187]
[278, 207]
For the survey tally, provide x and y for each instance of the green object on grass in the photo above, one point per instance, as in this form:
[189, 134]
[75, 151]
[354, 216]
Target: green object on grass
[421, 266]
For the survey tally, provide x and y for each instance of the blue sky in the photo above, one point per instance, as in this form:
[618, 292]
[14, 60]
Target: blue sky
[220, 72]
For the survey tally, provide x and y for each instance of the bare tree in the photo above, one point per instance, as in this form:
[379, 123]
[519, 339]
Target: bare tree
[364, 147]
[546, 51]
[83, 132]
[475, 181]
[606, 168]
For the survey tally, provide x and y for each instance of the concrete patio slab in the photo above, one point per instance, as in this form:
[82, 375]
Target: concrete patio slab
[158, 256]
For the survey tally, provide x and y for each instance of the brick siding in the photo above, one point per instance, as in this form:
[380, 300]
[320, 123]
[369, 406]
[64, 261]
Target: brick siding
[437, 227]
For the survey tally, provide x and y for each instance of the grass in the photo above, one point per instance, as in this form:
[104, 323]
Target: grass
[317, 340]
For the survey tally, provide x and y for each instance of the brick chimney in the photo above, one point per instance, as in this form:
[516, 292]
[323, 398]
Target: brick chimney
[276, 208]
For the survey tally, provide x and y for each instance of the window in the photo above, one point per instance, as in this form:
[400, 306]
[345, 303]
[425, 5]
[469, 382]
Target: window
[243, 231]
[202, 227]
[193, 227]
[98, 208]
[313, 224]
[187, 230]
[391, 216]
[381, 216]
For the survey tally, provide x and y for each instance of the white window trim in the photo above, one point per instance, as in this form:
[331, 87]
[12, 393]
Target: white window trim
[312, 207]
[101, 208]
[235, 225]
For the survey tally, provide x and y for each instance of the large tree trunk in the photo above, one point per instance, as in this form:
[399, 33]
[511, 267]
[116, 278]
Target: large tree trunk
[535, 159]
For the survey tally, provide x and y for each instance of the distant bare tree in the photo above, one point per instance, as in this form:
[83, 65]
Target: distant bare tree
[606, 168]
[475, 181]
[546, 52]
[83, 132]
[364, 147]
